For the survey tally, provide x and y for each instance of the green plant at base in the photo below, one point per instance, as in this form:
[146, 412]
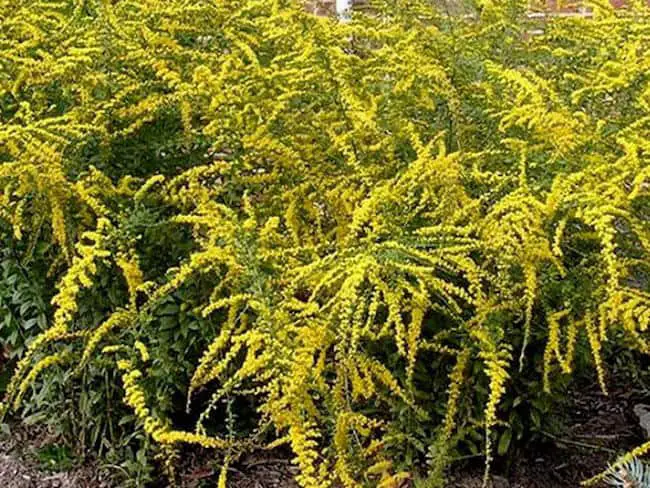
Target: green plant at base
[632, 474]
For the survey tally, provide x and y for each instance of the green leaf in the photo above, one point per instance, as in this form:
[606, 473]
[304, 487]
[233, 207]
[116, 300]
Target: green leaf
[504, 442]
[168, 322]
[169, 309]
[28, 324]
[25, 307]
[536, 419]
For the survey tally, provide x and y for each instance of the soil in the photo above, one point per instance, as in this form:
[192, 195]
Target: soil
[19, 468]
[600, 428]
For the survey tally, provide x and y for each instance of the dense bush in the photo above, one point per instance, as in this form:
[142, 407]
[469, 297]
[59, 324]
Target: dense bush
[378, 242]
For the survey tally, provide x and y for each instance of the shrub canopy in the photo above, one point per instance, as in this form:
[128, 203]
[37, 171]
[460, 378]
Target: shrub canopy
[369, 229]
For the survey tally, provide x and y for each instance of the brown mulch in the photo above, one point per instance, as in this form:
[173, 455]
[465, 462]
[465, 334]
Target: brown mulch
[19, 469]
[264, 471]
[600, 429]
[257, 470]
[16, 473]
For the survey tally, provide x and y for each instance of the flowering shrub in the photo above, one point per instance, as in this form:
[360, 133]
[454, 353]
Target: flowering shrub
[359, 231]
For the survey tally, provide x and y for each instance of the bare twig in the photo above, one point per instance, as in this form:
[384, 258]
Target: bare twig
[578, 443]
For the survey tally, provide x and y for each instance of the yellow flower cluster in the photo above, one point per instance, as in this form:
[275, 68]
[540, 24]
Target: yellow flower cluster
[135, 398]
[456, 380]
[47, 362]
[133, 276]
